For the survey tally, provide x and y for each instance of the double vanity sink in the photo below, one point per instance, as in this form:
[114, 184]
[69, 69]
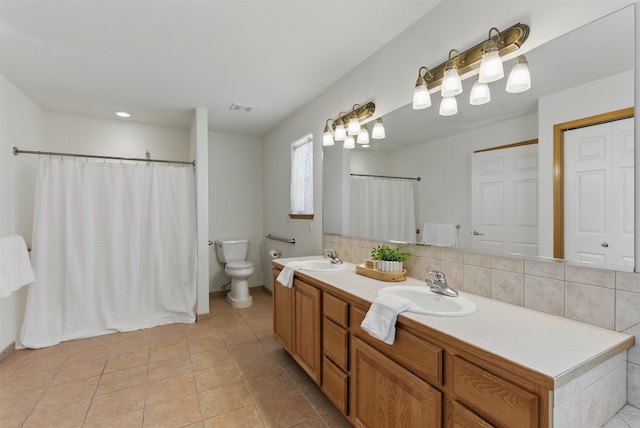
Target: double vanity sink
[426, 302]
[454, 355]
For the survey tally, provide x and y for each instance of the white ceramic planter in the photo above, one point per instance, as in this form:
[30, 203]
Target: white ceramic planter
[389, 267]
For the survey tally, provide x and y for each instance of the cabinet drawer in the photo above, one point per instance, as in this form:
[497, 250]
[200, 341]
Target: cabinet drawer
[422, 358]
[336, 310]
[495, 399]
[335, 385]
[335, 343]
[465, 418]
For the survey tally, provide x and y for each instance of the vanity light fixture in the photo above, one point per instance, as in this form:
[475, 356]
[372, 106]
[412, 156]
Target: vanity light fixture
[480, 93]
[363, 136]
[421, 96]
[451, 83]
[491, 65]
[377, 133]
[327, 135]
[338, 130]
[477, 59]
[519, 78]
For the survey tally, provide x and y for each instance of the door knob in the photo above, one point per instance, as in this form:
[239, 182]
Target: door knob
[604, 244]
[475, 232]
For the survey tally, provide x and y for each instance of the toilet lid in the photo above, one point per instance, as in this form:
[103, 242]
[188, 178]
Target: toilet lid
[239, 264]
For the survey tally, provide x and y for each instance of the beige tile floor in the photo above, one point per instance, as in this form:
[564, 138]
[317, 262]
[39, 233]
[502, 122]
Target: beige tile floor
[223, 371]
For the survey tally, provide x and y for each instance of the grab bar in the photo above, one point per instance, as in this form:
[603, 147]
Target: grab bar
[276, 238]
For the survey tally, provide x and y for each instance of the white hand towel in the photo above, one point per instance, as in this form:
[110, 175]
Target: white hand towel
[15, 267]
[447, 235]
[286, 275]
[429, 233]
[380, 321]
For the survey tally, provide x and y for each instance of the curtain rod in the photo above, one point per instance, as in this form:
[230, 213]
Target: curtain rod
[17, 151]
[386, 176]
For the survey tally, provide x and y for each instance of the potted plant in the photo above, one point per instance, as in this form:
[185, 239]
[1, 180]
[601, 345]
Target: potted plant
[389, 259]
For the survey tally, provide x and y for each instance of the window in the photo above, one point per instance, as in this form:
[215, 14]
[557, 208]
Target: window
[302, 178]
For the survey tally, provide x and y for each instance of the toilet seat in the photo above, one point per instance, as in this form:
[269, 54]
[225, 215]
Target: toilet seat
[238, 264]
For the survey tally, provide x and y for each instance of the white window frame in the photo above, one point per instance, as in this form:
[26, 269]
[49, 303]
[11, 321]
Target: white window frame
[301, 184]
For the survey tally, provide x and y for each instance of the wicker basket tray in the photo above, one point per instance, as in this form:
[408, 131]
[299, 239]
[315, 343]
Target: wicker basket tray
[382, 276]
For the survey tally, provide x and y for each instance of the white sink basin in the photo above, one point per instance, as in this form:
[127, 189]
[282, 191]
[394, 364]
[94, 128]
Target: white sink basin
[431, 303]
[321, 266]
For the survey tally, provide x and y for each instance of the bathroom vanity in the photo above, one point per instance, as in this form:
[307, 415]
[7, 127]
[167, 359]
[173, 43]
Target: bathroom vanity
[502, 366]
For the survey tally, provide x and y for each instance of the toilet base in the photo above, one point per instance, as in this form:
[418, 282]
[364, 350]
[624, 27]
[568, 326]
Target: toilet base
[239, 296]
[239, 304]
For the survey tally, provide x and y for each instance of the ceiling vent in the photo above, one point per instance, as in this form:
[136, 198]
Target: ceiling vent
[235, 106]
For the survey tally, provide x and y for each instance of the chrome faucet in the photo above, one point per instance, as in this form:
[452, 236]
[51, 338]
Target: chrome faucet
[440, 285]
[331, 254]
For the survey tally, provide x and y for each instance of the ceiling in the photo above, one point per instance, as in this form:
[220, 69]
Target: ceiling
[160, 59]
[589, 53]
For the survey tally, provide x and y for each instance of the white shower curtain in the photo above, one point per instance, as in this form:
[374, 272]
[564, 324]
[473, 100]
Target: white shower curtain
[382, 208]
[114, 249]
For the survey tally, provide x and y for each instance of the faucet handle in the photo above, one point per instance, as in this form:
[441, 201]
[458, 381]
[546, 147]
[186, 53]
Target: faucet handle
[439, 275]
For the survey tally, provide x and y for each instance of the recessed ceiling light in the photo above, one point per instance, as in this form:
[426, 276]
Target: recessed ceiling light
[121, 114]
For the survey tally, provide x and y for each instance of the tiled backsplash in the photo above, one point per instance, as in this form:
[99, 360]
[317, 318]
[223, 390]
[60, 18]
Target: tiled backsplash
[605, 298]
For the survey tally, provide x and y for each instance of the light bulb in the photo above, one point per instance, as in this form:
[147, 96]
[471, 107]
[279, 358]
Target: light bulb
[340, 132]
[491, 64]
[421, 97]
[349, 142]
[378, 130]
[480, 94]
[327, 139]
[519, 78]
[354, 126]
[448, 106]
[363, 136]
[451, 83]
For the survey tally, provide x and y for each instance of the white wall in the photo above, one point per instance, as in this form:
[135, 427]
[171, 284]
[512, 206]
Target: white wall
[199, 150]
[236, 200]
[20, 124]
[594, 98]
[387, 77]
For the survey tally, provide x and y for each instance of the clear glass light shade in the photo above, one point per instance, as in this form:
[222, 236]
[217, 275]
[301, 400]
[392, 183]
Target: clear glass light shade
[520, 78]
[363, 136]
[448, 106]
[378, 130]
[451, 83]
[491, 65]
[480, 94]
[327, 138]
[354, 126]
[421, 98]
[340, 133]
[349, 142]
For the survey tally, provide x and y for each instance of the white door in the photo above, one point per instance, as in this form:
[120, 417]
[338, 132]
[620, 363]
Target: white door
[599, 195]
[504, 206]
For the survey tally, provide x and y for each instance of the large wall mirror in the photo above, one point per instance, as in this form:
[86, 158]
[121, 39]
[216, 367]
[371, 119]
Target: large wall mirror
[585, 77]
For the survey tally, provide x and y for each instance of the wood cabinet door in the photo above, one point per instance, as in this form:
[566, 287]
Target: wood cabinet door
[385, 394]
[282, 313]
[307, 324]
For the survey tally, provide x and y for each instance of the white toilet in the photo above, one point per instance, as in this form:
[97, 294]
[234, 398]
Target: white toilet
[233, 252]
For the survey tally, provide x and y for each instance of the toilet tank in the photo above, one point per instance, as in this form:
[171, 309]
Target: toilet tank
[231, 249]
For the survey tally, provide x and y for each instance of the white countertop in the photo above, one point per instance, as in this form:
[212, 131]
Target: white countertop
[554, 346]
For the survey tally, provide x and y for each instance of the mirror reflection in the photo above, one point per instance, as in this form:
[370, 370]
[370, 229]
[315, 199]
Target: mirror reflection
[487, 173]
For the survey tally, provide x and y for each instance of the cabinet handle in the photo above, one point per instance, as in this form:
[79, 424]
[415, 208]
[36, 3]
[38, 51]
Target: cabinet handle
[604, 244]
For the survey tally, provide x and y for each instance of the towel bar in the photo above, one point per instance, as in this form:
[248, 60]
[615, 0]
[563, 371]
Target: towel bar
[276, 238]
